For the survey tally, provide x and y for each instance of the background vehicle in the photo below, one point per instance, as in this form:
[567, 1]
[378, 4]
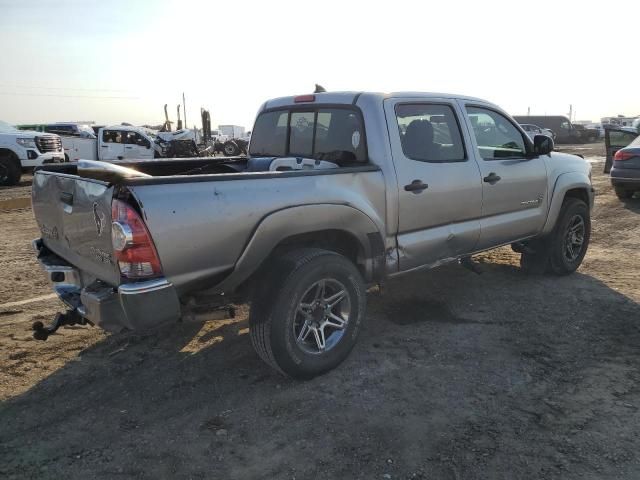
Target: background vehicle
[562, 127]
[321, 209]
[586, 134]
[20, 150]
[533, 130]
[119, 142]
[615, 138]
[625, 161]
[69, 132]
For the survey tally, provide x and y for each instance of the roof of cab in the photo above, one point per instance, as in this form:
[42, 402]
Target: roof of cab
[352, 97]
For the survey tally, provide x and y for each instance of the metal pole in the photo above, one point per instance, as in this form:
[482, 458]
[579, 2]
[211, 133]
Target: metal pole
[184, 111]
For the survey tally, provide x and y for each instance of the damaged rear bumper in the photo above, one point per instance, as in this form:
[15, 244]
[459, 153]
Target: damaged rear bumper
[134, 306]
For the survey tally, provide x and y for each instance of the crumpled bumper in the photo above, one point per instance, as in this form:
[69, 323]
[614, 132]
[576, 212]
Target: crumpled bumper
[134, 306]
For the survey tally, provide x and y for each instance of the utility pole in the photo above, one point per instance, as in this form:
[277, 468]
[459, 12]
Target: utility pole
[528, 111]
[184, 111]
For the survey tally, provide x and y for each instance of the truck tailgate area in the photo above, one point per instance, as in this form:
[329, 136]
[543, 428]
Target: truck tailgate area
[74, 217]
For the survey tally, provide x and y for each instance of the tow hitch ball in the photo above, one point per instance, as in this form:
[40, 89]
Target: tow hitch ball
[72, 317]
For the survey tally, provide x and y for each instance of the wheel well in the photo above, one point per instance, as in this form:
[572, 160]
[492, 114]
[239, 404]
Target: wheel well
[579, 193]
[337, 241]
[6, 153]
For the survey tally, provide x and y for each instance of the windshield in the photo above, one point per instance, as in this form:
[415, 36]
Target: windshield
[152, 133]
[7, 127]
[86, 130]
[332, 134]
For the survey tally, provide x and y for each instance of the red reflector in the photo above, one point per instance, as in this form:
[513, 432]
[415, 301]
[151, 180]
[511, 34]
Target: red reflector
[304, 98]
[136, 255]
[622, 155]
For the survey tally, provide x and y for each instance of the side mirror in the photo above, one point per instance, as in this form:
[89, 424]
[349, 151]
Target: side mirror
[542, 145]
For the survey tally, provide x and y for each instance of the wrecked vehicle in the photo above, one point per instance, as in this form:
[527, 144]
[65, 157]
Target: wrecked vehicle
[340, 191]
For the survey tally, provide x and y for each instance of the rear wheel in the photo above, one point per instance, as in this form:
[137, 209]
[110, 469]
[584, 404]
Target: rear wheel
[10, 171]
[231, 149]
[623, 193]
[306, 319]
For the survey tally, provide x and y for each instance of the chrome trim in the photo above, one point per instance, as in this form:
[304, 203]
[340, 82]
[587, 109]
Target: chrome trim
[143, 287]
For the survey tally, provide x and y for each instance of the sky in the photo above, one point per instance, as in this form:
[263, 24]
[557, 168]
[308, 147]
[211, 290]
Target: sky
[122, 60]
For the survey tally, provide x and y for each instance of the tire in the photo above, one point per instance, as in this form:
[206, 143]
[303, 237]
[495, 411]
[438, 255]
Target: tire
[574, 217]
[623, 193]
[231, 149]
[535, 263]
[10, 171]
[283, 317]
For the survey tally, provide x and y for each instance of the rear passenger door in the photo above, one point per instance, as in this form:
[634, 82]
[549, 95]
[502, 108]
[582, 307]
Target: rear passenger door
[514, 183]
[111, 145]
[439, 188]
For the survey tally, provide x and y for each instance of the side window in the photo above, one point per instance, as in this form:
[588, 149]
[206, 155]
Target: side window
[430, 133]
[565, 126]
[111, 136]
[496, 136]
[134, 138]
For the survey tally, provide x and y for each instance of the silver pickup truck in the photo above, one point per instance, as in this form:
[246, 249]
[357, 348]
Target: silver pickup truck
[340, 191]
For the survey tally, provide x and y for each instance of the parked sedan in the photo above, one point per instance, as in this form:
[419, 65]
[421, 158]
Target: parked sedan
[532, 130]
[625, 173]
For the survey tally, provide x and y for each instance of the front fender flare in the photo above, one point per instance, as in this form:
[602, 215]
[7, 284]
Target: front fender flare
[564, 183]
[279, 225]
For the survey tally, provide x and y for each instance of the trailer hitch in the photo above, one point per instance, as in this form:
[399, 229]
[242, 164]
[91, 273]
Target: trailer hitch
[71, 317]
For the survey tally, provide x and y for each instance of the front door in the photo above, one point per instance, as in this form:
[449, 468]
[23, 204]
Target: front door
[439, 187]
[137, 146]
[514, 183]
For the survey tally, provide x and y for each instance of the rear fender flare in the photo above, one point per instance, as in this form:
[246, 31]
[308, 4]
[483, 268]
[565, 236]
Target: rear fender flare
[282, 224]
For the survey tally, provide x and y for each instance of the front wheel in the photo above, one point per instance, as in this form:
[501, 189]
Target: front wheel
[10, 171]
[306, 318]
[570, 237]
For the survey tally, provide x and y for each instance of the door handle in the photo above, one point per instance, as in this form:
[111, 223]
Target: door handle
[128, 147]
[417, 186]
[492, 178]
[104, 146]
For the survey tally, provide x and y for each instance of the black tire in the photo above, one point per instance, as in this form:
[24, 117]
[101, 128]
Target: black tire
[562, 259]
[535, 263]
[10, 171]
[623, 193]
[231, 149]
[276, 320]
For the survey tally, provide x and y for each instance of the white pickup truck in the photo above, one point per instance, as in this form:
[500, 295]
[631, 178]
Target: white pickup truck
[20, 150]
[118, 142]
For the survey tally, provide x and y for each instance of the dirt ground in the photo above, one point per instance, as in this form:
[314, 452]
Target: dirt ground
[456, 375]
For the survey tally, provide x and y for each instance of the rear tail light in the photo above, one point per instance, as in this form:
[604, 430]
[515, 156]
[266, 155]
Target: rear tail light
[622, 155]
[134, 249]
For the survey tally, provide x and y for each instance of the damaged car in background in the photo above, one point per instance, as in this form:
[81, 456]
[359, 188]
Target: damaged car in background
[340, 192]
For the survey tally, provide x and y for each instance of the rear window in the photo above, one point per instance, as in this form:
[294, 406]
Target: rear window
[332, 134]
